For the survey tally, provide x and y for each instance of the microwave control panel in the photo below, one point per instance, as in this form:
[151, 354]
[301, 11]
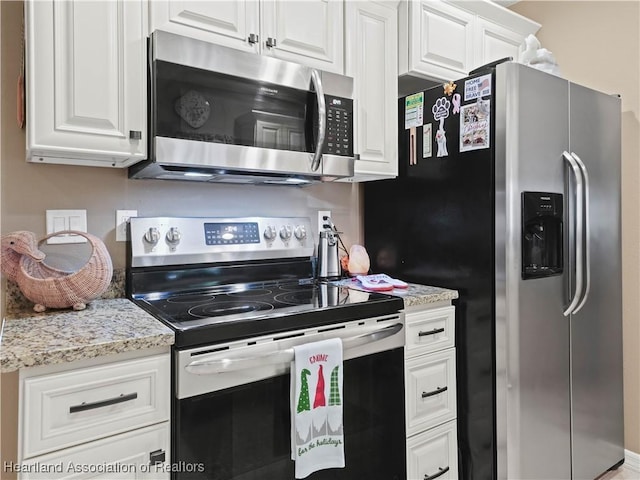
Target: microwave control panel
[339, 136]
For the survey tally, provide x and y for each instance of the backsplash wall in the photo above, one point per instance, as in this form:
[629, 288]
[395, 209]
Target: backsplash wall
[27, 190]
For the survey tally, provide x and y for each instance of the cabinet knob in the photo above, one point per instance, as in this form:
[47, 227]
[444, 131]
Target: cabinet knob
[135, 135]
[271, 42]
[253, 38]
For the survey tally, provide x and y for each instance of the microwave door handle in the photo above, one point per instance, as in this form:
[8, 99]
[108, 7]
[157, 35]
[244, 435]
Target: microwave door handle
[586, 233]
[284, 357]
[322, 119]
[579, 236]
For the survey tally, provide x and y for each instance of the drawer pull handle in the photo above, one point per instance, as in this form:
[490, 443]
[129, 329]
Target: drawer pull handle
[435, 392]
[431, 332]
[103, 403]
[441, 472]
[157, 457]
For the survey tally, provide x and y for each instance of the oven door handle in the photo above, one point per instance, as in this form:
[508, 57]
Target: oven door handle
[285, 357]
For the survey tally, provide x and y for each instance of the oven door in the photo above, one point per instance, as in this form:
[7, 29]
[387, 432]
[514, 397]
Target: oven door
[218, 110]
[242, 432]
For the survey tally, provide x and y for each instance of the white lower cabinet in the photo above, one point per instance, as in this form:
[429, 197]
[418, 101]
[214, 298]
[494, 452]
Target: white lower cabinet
[139, 454]
[433, 454]
[108, 419]
[430, 383]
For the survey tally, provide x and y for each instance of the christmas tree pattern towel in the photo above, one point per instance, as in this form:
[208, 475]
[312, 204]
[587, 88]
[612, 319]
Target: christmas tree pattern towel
[317, 440]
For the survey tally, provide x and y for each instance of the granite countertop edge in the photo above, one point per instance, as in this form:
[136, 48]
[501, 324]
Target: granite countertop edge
[105, 327]
[416, 295]
[413, 295]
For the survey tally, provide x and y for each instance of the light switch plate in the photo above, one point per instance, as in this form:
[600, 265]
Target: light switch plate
[58, 220]
[122, 219]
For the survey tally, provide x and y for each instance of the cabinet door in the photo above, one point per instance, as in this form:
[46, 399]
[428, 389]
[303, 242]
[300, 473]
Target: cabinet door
[371, 59]
[229, 23]
[440, 39]
[307, 32]
[137, 455]
[434, 453]
[430, 390]
[495, 42]
[86, 82]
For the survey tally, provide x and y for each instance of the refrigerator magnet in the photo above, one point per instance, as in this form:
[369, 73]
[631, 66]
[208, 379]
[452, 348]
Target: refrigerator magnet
[456, 103]
[475, 124]
[477, 87]
[440, 112]
[413, 110]
[449, 88]
[426, 141]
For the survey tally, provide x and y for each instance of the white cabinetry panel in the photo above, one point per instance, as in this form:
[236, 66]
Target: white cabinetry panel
[445, 43]
[434, 453]
[446, 39]
[371, 59]
[74, 407]
[309, 32]
[431, 390]
[121, 457]
[224, 22]
[86, 81]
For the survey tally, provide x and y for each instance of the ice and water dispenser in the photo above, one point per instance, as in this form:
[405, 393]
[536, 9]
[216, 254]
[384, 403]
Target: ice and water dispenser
[541, 234]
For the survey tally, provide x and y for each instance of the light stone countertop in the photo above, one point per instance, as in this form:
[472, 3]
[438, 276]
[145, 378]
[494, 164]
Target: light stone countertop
[413, 295]
[423, 294]
[105, 327]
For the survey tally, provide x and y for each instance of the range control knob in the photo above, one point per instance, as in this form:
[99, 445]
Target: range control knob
[173, 236]
[152, 236]
[285, 232]
[300, 232]
[270, 232]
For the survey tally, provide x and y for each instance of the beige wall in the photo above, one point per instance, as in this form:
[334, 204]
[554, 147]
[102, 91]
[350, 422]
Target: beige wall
[28, 189]
[597, 44]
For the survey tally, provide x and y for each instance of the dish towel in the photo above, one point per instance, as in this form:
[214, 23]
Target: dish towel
[317, 433]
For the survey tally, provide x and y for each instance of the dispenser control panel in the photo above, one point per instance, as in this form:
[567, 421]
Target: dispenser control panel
[542, 234]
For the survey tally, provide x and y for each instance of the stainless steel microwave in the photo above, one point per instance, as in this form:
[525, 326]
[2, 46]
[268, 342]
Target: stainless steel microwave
[217, 114]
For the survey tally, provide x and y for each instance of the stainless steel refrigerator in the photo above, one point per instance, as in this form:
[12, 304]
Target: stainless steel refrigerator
[509, 192]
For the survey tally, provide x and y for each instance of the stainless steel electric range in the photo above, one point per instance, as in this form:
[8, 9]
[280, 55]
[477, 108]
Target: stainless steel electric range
[239, 294]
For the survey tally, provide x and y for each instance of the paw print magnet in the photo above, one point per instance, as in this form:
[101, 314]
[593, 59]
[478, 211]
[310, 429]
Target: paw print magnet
[440, 112]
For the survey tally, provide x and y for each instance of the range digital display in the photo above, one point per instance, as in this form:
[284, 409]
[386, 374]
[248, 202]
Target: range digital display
[231, 233]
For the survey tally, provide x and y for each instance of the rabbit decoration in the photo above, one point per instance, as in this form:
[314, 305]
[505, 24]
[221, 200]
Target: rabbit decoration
[48, 287]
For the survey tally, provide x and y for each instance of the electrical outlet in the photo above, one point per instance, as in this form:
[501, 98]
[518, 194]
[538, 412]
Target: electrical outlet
[322, 213]
[122, 218]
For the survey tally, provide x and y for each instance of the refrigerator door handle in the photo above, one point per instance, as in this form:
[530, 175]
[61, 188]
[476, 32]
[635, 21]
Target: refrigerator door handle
[587, 233]
[579, 236]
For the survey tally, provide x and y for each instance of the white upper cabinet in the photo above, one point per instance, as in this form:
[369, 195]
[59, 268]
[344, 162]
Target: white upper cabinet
[308, 32]
[371, 59]
[86, 81]
[444, 40]
[232, 23]
[440, 42]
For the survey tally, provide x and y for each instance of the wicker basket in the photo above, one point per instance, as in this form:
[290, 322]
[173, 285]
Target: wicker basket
[49, 287]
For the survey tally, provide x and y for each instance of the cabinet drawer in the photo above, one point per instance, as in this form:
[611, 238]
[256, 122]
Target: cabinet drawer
[429, 330]
[126, 456]
[67, 408]
[433, 454]
[431, 390]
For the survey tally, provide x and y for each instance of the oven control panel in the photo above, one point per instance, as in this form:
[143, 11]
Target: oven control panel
[195, 240]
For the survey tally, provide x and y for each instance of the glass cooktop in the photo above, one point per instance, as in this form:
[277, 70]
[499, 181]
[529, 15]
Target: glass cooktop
[234, 312]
